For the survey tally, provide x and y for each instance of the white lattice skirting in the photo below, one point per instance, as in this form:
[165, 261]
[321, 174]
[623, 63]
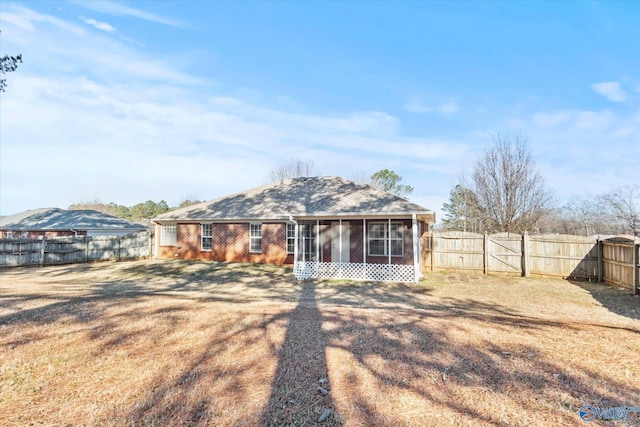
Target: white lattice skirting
[354, 271]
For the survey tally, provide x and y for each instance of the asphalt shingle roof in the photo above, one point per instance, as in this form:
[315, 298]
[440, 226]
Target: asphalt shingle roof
[60, 219]
[314, 196]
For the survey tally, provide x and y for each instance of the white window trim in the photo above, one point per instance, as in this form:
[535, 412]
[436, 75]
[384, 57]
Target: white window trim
[202, 237]
[251, 238]
[164, 229]
[387, 238]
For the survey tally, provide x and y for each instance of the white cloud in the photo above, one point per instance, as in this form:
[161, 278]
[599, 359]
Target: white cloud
[555, 118]
[117, 9]
[594, 120]
[16, 20]
[583, 150]
[610, 90]
[25, 14]
[99, 25]
[624, 132]
[130, 141]
[446, 109]
[58, 49]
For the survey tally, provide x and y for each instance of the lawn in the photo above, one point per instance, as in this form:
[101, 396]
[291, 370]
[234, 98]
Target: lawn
[156, 343]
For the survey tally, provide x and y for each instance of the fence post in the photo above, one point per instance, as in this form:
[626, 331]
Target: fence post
[86, 248]
[485, 256]
[636, 267]
[600, 260]
[431, 241]
[119, 238]
[151, 245]
[525, 254]
[42, 252]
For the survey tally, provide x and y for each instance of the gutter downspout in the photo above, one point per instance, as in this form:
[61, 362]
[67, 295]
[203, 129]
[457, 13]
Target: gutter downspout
[295, 246]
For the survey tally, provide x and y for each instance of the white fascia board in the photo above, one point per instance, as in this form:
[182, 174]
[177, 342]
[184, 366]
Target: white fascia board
[422, 215]
[219, 220]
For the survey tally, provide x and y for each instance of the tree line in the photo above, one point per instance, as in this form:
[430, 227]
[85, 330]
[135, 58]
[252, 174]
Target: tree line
[503, 193]
[506, 193]
[138, 212]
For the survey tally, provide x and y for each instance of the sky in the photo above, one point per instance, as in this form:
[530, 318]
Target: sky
[132, 101]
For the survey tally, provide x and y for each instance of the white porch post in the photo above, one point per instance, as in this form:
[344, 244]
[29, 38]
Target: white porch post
[340, 241]
[295, 246]
[364, 245]
[417, 269]
[317, 240]
[389, 247]
[304, 248]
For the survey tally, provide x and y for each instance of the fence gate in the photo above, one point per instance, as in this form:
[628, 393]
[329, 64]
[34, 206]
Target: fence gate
[504, 252]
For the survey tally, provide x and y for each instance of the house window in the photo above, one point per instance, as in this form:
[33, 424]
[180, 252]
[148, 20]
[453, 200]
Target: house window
[291, 238]
[382, 239]
[255, 238]
[168, 235]
[207, 237]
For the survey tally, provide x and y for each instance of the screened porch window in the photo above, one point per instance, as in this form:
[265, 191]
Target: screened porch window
[306, 240]
[381, 239]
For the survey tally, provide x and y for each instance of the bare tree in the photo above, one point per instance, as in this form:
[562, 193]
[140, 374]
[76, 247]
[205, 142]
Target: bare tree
[294, 168]
[361, 177]
[511, 194]
[622, 209]
[582, 216]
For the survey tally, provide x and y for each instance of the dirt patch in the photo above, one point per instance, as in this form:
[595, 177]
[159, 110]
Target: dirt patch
[196, 343]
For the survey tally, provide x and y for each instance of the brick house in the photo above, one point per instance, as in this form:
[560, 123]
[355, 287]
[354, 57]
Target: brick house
[54, 222]
[324, 226]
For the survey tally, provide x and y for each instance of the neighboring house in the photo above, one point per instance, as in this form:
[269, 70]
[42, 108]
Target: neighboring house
[54, 222]
[324, 226]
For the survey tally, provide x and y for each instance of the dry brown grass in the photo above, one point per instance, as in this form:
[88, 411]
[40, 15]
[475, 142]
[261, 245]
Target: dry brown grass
[194, 343]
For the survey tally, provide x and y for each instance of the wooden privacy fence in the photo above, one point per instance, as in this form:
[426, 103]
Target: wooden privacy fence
[611, 260]
[68, 250]
[621, 262]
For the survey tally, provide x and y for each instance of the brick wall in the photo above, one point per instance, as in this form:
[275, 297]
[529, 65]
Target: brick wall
[230, 243]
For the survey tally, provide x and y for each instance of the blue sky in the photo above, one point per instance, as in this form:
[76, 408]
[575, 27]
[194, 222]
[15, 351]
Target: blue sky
[130, 101]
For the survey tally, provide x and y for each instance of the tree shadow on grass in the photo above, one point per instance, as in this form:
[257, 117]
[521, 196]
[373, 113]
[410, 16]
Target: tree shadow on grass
[385, 352]
[300, 391]
[392, 361]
